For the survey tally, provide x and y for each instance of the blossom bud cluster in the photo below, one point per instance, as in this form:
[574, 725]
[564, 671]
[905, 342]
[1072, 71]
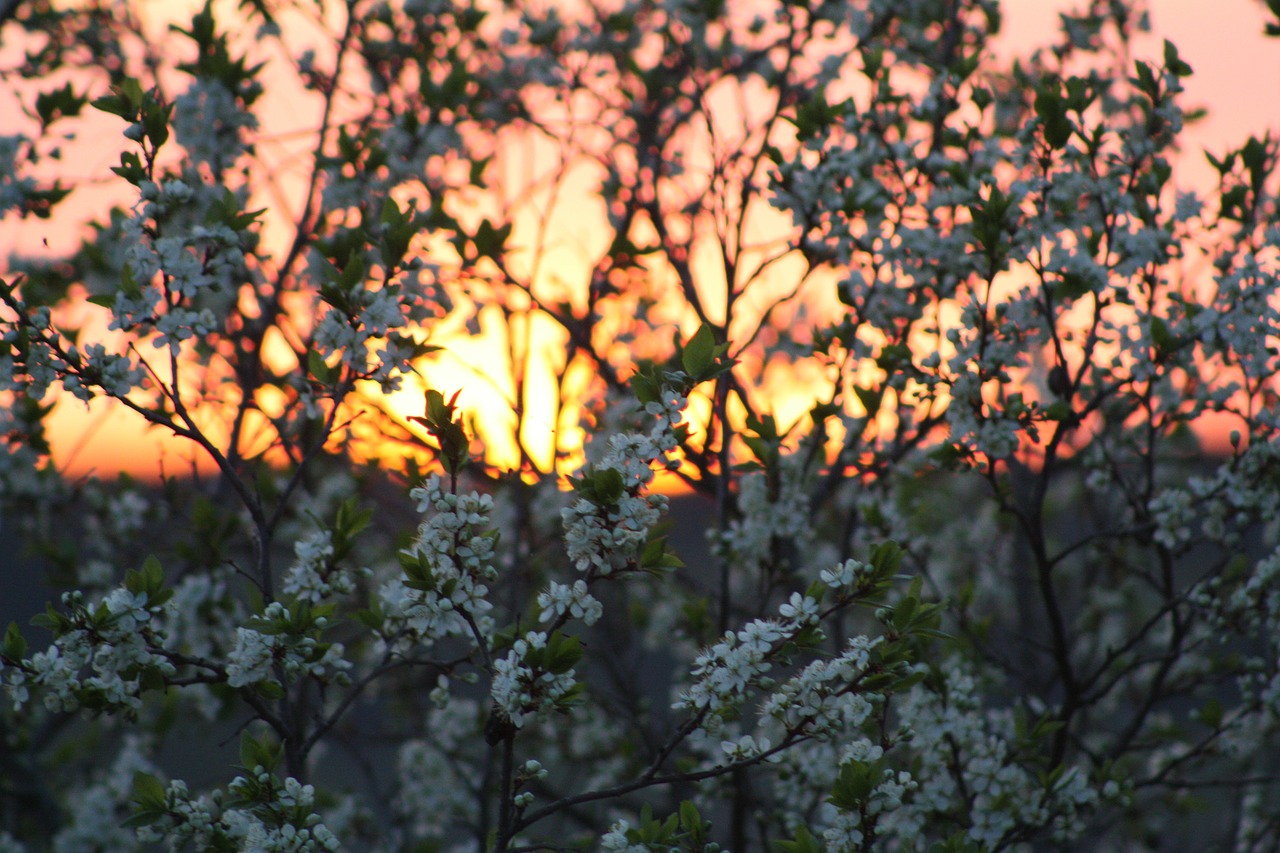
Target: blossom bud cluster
[14, 187]
[521, 690]
[115, 374]
[847, 576]
[606, 536]
[99, 659]
[822, 700]
[616, 841]
[91, 820]
[448, 568]
[210, 121]
[1222, 505]
[726, 672]
[297, 653]
[313, 577]
[1250, 608]
[767, 518]
[434, 790]
[845, 826]
[607, 539]
[269, 817]
[175, 261]
[1001, 793]
[349, 331]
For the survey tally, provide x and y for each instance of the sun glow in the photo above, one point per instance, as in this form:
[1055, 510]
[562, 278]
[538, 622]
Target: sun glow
[522, 393]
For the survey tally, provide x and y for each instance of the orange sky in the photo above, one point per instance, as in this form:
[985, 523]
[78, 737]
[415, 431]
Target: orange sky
[1237, 77]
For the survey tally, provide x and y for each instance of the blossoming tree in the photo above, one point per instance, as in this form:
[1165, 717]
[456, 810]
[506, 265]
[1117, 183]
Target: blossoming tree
[925, 334]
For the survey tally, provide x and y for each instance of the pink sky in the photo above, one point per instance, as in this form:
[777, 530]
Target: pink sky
[1237, 69]
[1237, 78]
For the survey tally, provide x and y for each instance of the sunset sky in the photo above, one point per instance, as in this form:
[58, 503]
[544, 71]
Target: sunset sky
[1237, 78]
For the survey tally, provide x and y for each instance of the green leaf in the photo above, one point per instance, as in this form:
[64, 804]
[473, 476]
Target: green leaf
[804, 842]
[1059, 410]
[1146, 81]
[445, 425]
[124, 101]
[870, 398]
[153, 573]
[699, 352]
[148, 791]
[131, 168]
[399, 228]
[562, 654]
[1212, 713]
[256, 753]
[1174, 63]
[15, 645]
[143, 818]
[490, 241]
[322, 372]
[353, 274]
[1052, 111]
[59, 103]
[647, 382]
[886, 558]
[373, 618]
[1161, 338]
[155, 120]
[816, 114]
[601, 486]
[854, 785]
[957, 843]
[690, 820]
[904, 612]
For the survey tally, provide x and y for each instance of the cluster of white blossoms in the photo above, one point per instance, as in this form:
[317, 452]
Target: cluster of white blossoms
[616, 841]
[14, 188]
[1009, 265]
[767, 518]
[348, 330]
[116, 374]
[725, 673]
[37, 366]
[44, 356]
[982, 361]
[209, 121]
[285, 823]
[521, 690]
[559, 599]
[100, 657]
[447, 569]
[1248, 609]
[434, 792]
[606, 537]
[1222, 505]
[1255, 604]
[745, 747]
[201, 615]
[256, 654]
[847, 576]
[178, 270]
[1245, 318]
[823, 700]
[313, 577]
[845, 828]
[992, 787]
[92, 820]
